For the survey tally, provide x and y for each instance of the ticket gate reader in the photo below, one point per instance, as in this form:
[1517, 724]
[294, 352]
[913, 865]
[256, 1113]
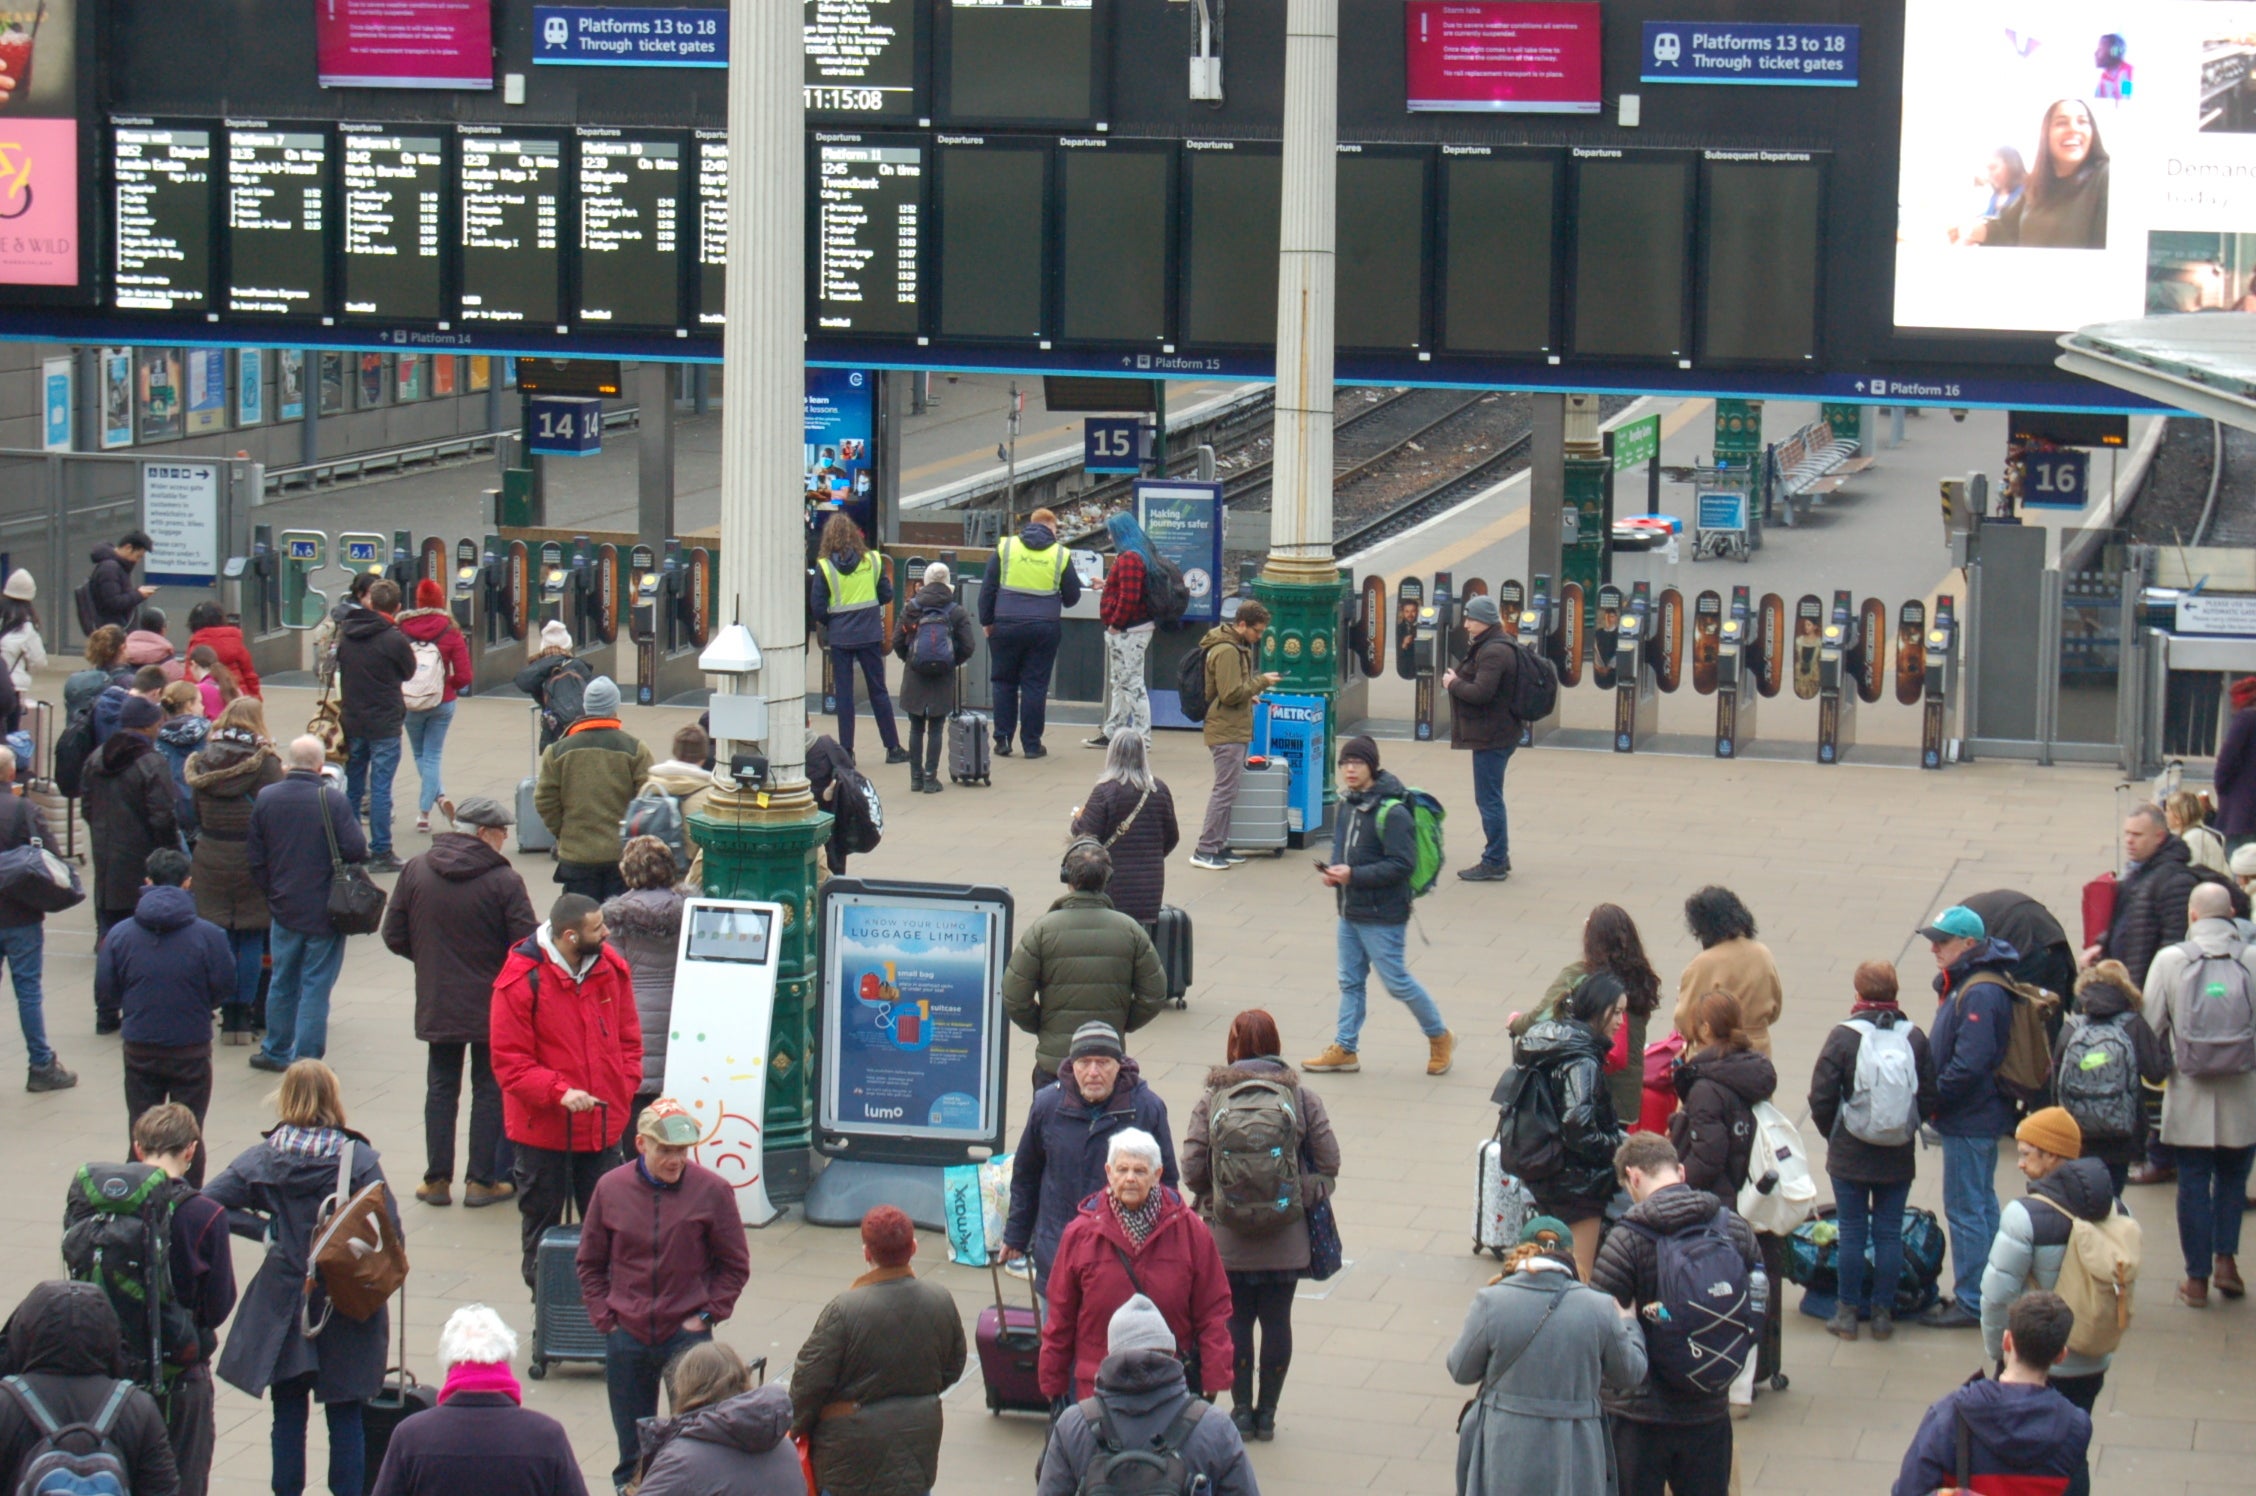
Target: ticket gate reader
[302, 554]
[1839, 653]
[502, 585]
[588, 605]
[363, 552]
[405, 569]
[1429, 658]
[548, 589]
[1541, 625]
[1738, 672]
[1637, 698]
[666, 623]
[256, 601]
[1938, 725]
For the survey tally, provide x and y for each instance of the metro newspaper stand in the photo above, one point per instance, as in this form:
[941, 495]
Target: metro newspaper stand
[717, 1057]
[914, 1043]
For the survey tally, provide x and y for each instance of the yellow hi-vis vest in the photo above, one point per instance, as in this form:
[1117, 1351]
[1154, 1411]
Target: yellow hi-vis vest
[1030, 580]
[851, 591]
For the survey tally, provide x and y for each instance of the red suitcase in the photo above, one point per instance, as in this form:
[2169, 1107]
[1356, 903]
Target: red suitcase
[1010, 1352]
[2099, 908]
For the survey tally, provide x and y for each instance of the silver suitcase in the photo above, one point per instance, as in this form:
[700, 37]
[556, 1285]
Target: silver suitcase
[1258, 821]
[533, 834]
[1502, 1206]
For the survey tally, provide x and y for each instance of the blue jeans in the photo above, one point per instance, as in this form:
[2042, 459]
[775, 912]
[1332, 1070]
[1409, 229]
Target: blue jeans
[631, 1374]
[1020, 656]
[2212, 1187]
[24, 948]
[250, 959]
[1871, 1213]
[1488, 794]
[348, 1442]
[426, 740]
[1362, 947]
[297, 999]
[382, 755]
[1970, 1207]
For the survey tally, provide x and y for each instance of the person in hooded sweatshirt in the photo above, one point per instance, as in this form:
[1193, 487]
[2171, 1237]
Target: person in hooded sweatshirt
[168, 971]
[1140, 1392]
[2021, 1435]
[429, 622]
[130, 811]
[374, 660]
[726, 1437]
[481, 1437]
[848, 596]
[64, 1341]
[180, 739]
[1022, 607]
[208, 625]
[928, 688]
[685, 777]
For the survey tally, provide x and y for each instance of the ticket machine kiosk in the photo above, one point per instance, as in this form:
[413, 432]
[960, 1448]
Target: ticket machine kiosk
[1838, 657]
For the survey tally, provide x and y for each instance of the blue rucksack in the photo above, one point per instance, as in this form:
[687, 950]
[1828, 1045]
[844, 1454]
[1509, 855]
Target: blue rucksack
[1702, 1325]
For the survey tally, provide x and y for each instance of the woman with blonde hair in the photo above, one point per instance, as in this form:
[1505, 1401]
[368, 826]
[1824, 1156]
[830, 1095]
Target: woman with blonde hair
[2102, 1096]
[725, 1434]
[2188, 817]
[224, 778]
[848, 596]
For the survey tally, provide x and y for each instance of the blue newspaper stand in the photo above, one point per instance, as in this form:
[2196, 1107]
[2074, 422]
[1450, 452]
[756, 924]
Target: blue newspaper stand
[1292, 728]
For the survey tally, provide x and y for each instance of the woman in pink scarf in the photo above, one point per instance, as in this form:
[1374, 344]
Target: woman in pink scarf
[480, 1437]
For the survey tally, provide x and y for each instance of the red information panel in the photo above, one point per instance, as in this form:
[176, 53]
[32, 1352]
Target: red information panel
[1504, 56]
[405, 43]
[39, 104]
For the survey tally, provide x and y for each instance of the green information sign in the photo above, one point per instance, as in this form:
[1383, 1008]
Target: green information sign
[1847, 422]
[1738, 432]
[1637, 443]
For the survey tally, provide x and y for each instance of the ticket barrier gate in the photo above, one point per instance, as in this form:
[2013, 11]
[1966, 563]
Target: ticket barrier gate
[358, 551]
[1938, 725]
[587, 603]
[1436, 708]
[1542, 624]
[502, 613]
[1839, 654]
[405, 568]
[1738, 686]
[252, 595]
[672, 621]
[1636, 694]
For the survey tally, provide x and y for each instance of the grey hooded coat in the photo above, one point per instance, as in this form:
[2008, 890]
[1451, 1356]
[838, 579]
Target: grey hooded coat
[1537, 1426]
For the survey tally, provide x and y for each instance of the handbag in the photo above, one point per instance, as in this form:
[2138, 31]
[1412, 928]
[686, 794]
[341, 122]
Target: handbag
[356, 903]
[36, 878]
[356, 1258]
[1324, 1249]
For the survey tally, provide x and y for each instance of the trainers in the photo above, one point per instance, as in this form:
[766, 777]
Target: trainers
[1002, 749]
[50, 1077]
[1099, 741]
[1036, 750]
[1843, 1323]
[1441, 1047]
[423, 822]
[382, 862]
[261, 1060]
[933, 786]
[1211, 864]
[435, 1192]
[1233, 857]
[1334, 1060]
[896, 755]
[1949, 1315]
[1484, 872]
[475, 1195]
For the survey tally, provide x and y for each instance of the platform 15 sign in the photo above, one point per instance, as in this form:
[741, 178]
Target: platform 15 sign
[2055, 480]
[1112, 444]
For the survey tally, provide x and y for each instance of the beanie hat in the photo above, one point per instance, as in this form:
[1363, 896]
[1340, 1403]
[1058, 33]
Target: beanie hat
[601, 699]
[139, 712]
[1361, 748]
[1539, 1227]
[2243, 861]
[1484, 610]
[429, 594]
[555, 636]
[2053, 1130]
[20, 586]
[1094, 1039]
[1139, 1326]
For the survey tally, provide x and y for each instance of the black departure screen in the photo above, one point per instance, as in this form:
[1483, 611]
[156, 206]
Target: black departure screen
[1381, 246]
[277, 221]
[1629, 258]
[861, 59]
[712, 227]
[393, 251]
[630, 229]
[1498, 251]
[1230, 269]
[1759, 264]
[1022, 61]
[869, 235]
[1114, 286]
[994, 240]
[512, 191]
[164, 218]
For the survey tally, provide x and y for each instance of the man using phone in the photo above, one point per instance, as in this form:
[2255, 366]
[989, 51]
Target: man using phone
[1232, 687]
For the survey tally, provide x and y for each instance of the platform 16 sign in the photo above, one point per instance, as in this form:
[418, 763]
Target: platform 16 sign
[2055, 480]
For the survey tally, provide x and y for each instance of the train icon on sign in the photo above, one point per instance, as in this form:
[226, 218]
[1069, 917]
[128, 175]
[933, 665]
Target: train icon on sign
[556, 32]
[1667, 47]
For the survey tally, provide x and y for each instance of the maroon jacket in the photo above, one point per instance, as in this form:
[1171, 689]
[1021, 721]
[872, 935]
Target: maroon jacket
[651, 1254]
[1178, 1268]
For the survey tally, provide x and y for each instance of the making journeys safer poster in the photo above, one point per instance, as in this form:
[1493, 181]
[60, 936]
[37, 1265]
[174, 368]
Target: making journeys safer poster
[912, 1005]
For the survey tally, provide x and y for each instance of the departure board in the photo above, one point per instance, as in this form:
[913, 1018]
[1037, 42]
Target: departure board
[869, 236]
[994, 241]
[393, 247]
[1022, 62]
[1499, 225]
[1113, 288]
[1381, 247]
[277, 221]
[163, 230]
[512, 188]
[1230, 267]
[1759, 261]
[712, 227]
[630, 229]
[862, 59]
[1630, 234]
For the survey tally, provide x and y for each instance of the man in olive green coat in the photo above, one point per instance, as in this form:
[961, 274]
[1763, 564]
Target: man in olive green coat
[1232, 688]
[1083, 960]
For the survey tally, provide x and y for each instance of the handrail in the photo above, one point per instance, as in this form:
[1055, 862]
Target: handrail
[394, 459]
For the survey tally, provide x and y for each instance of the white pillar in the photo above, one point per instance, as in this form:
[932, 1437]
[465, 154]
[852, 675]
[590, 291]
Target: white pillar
[764, 360]
[1300, 547]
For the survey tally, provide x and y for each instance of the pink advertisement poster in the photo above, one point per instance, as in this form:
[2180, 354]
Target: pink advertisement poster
[1504, 56]
[405, 43]
[38, 202]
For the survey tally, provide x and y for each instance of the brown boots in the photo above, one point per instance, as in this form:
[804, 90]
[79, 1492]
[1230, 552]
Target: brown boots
[1440, 1048]
[2226, 1275]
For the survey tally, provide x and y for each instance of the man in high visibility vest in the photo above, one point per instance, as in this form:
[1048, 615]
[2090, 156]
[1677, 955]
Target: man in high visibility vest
[1028, 589]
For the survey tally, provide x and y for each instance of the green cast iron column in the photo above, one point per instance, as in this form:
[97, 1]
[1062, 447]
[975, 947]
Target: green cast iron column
[1303, 646]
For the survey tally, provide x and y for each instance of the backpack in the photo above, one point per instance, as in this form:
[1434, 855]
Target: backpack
[656, 813]
[71, 1459]
[933, 654]
[1165, 592]
[1535, 684]
[1428, 855]
[1190, 683]
[117, 1235]
[2217, 1033]
[1882, 1107]
[2098, 1080]
[1528, 1140]
[1253, 1139]
[2027, 1067]
[1701, 1327]
[356, 1256]
[74, 745]
[1779, 1150]
[426, 688]
[867, 829]
[2097, 1274]
[83, 597]
[1154, 1469]
[564, 697]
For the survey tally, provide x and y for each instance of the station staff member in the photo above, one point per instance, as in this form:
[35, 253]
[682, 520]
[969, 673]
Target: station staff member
[1029, 588]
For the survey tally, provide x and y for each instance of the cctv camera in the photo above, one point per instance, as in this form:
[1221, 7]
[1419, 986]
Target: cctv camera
[1959, 415]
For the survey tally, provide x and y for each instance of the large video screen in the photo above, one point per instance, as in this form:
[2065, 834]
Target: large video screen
[868, 258]
[1113, 288]
[277, 222]
[1630, 247]
[2052, 154]
[1499, 217]
[512, 202]
[1025, 62]
[1381, 246]
[163, 229]
[1759, 259]
[862, 59]
[994, 241]
[39, 56]
[394, 250]
[630, 228]
[1230, 267]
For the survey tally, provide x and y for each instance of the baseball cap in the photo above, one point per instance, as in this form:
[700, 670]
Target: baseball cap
[668, 1121]
[1956, 923]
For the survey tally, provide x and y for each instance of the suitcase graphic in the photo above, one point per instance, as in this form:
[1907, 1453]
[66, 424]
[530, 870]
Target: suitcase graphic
[1010, 1350]
[1171, 936]
[1502, 1206]
[533, 834]
[1258, 821]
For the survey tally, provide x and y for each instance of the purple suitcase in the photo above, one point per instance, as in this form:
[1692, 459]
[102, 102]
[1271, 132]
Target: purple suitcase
[1010, 1352]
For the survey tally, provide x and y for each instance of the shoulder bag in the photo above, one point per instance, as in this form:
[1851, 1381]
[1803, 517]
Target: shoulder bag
[356, 903]
[356, 1257]
[1498, 1374]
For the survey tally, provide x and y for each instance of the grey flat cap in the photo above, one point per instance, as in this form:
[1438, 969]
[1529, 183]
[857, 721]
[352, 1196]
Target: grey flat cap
[478, 810]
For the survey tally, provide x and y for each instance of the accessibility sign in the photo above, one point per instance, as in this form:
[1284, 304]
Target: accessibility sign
[1750, 52]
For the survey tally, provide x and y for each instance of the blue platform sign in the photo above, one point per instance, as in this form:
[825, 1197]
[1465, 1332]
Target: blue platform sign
[565, 425]
[1112, 444]
[620, 36]
[1750, 52]
[2055, 480]
[1184, 521]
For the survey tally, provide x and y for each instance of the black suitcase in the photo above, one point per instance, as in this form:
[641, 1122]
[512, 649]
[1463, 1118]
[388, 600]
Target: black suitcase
[400, 1398]
[1171, 936]
[562, 1330]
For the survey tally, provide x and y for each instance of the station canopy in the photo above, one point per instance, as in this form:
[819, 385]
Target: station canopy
[2203, 362]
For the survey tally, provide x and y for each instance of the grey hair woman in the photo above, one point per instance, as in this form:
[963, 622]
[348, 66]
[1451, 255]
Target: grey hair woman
[1131, 811]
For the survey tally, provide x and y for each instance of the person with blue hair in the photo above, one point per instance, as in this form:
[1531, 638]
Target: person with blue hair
[1128, 625]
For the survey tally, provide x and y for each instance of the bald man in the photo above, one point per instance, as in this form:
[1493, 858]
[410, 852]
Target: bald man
[289, 857]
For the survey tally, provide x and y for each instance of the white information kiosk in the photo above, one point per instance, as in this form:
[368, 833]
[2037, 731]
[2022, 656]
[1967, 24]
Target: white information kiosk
[717, 1042]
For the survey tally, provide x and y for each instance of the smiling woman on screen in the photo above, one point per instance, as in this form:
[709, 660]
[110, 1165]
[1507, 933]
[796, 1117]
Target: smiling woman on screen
[2064, 205]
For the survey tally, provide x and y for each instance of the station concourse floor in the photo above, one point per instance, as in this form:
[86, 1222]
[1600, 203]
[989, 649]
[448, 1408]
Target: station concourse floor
[1838, 864]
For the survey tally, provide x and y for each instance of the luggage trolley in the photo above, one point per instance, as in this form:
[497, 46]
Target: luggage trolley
[1726, 521]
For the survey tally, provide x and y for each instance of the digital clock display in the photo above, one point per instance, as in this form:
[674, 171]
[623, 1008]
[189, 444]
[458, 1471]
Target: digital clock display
[862, 59]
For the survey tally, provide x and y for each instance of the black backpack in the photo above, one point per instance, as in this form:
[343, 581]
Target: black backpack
[1165, 592]
[1154, 1469]
[83, 596]
[564, 696]
[74, 745]
[1528, 1139]
[1701, 1325]
[117, 1235]
[1535, 684]
[1190, 684]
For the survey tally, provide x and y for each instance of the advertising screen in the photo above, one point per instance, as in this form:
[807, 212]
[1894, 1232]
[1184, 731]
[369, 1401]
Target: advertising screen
[840, 423]
[1024, 62]
[1382, 250]
[1230, 267]
[1114, 286]
[630, 229]
[862, 59]
[512, 194]
[728, 934]
[39, 145]
[2073, 163]
[1499, 246]
[1503, 56]
[1630, 247]
[277, 221]
[712, 227]
[404, 43]
[869, 235]
[994, 241]
[1759, 257]
[393, 249]
[163, 227]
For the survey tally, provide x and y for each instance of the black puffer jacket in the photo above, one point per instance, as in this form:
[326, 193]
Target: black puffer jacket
[130, 811]
[1379, 858]
[63, 1340]
[1714, 1128]
[1571, 1060]
[2150, 908]
[1847, 1156]
[1628, 1267]
[374, 660]
[1139, 856]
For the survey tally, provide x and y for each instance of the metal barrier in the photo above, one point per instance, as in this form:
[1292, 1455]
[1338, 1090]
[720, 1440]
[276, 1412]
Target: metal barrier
[362, 465]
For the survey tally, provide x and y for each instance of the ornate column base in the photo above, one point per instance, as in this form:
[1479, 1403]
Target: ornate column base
[1302, 645]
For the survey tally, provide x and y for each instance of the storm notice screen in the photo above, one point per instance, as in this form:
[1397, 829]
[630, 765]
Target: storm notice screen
[164, 218]
[630, 230]
[393, 250]
[277, 222]
[512, 198]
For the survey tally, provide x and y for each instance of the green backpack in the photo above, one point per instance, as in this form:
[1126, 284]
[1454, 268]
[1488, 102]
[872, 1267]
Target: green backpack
[1428, 858]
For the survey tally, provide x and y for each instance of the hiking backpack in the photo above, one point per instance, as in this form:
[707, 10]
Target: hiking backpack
[1528, 1140]
[563, 697]
[1882, 1107]
[1778, 1149]
[1535, 684]
[1154, 1469]
[426, 688]
[71, 1459]
[1253, 1139]
[1701, 1327]
[2097, 1274]
[933, 651]
[117, 1235]
[1165, 592]
[1190, 683]
[1428, 855]
[2217, 1034]
[2098, 1080]
[656, 813]
[2026, 1070]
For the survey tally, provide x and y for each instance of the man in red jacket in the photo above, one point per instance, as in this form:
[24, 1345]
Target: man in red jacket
[662, 1259]
[567, 1050]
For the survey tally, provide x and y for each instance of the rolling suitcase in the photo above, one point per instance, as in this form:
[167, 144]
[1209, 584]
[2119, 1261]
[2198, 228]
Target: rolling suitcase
[1258, 820]
[971, 742]
[1171, 936]
[400, 1397]
[533, 834]
[1502, 1206]
[562, 1330]
[1010, 1352]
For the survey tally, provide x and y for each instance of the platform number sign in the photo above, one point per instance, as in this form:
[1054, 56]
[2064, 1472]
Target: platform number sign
[565, 425]
[1112, 444]
[2055, 480]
